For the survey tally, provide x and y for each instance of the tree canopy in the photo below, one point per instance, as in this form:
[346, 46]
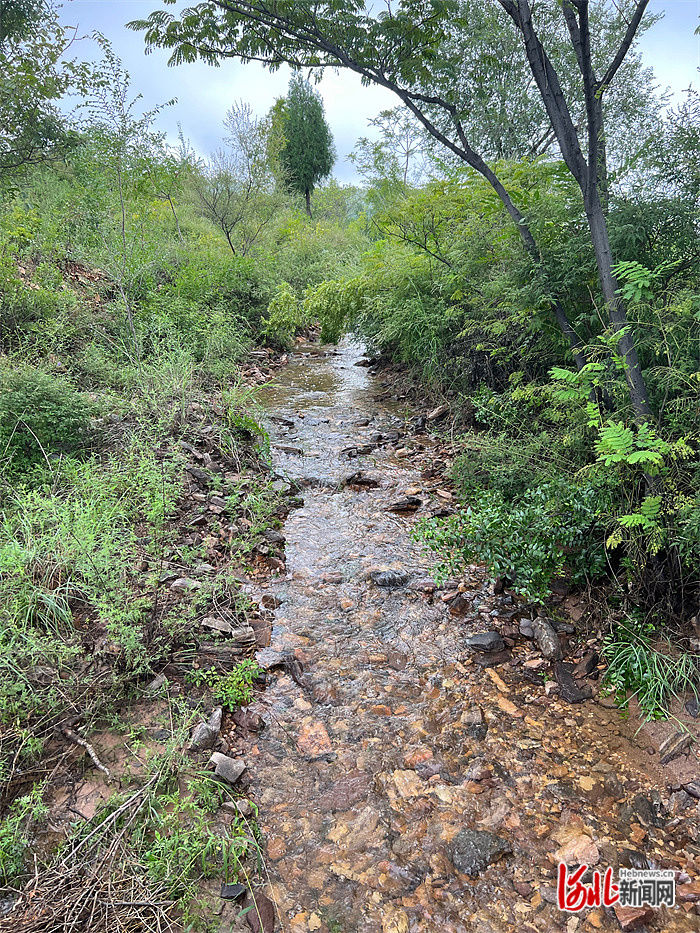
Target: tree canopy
[306, 153]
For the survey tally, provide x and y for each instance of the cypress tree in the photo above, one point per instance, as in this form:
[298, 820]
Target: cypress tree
[307, 153]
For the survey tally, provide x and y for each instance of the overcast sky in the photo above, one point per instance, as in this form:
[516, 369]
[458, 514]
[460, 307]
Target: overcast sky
[205, 93]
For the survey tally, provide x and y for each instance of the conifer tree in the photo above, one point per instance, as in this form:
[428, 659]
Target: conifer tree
[307, 153]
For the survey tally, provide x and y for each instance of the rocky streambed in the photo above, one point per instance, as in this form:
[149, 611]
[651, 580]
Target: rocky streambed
[407, 778]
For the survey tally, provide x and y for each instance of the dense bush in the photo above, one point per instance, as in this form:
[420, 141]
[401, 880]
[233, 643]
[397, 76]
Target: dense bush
[552, 531]
[41, 418]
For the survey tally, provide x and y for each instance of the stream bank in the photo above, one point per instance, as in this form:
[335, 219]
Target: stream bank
[402, 784]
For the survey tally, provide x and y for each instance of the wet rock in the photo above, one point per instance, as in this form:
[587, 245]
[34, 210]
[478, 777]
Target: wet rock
[569, 690]
[389, 578]
[674, 746]
[313, 741]
[362, 480]
[232, 892]
[261, 915]
[473, 850]
[546, 639]
[405, 504]
[437, 413]
[576, 846]
[629, 858]
[228, 769]
[475, 723]
[418, 424]
[486, 641]
[632, 918]
[205, 734]
[248, 720]
[344, 793]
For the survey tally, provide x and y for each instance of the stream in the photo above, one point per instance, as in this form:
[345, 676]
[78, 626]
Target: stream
[403, 786]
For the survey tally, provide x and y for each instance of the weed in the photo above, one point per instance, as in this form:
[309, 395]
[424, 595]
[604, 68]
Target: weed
[647, 666]
[233, 689]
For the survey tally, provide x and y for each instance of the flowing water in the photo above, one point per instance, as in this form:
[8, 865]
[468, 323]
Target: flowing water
[386, 740]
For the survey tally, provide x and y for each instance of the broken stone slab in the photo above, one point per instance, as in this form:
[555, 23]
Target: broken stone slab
[526, 629]
[232, 892]
[473, 850]
[228, 769]
[224, 654]
[632, 918]
[438, 412]
[205, 734]
[405, 504]
[215, 624]
[185, 585]
[240, 807]
[201, 475]
[587, 664]
[674, 746]
[389, 578]
[486, 641]
[546, 639]
[569, 690]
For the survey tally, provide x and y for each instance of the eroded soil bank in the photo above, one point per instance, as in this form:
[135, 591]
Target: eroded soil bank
[402, 785]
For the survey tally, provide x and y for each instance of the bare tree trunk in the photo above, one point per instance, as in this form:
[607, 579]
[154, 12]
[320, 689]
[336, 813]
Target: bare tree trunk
[616, 310]
[307, 195]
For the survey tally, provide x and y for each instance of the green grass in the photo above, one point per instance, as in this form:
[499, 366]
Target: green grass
[647, 668]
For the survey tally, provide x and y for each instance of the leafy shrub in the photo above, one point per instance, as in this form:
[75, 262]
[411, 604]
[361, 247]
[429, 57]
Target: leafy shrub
[553, 529]
[232, 689]
[41, 417]
[26, 313]
[285, 317]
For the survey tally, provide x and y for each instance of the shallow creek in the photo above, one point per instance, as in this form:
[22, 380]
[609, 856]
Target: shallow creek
[389, 740]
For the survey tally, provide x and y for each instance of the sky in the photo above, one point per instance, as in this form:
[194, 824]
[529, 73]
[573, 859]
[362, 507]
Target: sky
[204, 93]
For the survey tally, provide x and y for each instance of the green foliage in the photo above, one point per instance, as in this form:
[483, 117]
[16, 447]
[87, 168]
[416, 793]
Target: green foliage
[531, 540]
[41, 418]
[16, 828]
[66, 549]
[232, 689]
[647, 667]
[285, 318]
[307, 152]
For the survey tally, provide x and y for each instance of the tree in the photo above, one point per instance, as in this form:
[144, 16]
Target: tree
[407, 49]
[34, 76]
[307, 153]
[236, 189]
